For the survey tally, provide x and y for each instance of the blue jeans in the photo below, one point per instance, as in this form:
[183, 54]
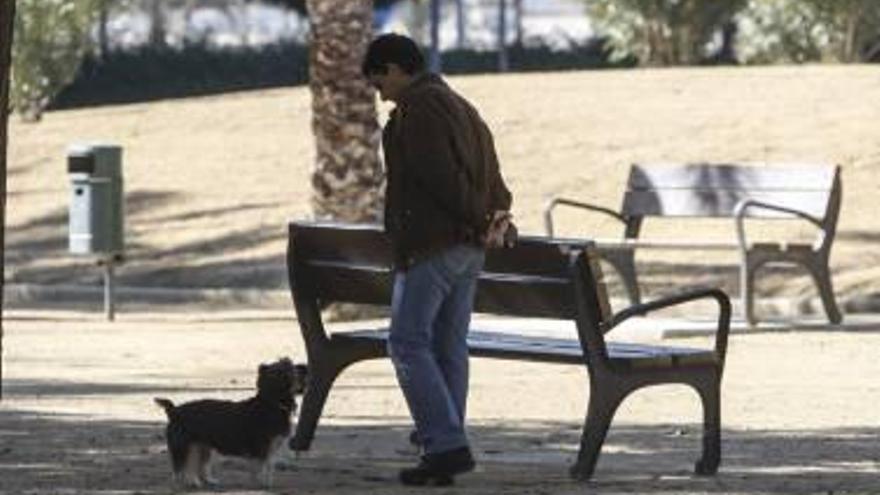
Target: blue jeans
[430, 315]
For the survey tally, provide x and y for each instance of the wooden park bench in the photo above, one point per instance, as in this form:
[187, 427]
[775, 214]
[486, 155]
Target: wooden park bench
[739, 192]
[538, 278]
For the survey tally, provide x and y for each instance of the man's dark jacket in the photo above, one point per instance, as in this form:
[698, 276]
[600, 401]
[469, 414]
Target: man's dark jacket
[443, 180]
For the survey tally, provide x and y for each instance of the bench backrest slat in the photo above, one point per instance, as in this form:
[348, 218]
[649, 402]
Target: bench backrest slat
[343, 263]
[720, 203]
[713, 190]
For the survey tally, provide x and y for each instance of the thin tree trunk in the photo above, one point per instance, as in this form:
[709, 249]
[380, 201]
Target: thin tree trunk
[518, 23]
[436, 63]
[851, 27]
[157, 24]
[503, 63]
[417, 20]
[7, 12]
[103, 38]
[347, 176]
[460, 24]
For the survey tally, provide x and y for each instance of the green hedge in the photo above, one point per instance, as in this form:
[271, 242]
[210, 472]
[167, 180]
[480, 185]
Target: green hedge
[151, 74]
[593, 54]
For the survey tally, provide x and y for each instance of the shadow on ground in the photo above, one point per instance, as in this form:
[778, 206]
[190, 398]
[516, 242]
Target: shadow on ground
[37, 250]
[36, 254]
[62, 453]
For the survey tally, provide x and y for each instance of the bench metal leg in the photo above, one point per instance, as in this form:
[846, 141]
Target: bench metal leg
[815, 263]
[624, 264]
[313, 404]
[324, 367]
[822, 277]
[710, 395]
[747, 289]
[600, 411]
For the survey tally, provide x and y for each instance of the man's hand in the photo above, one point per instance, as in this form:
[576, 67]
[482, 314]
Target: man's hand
[498, 234]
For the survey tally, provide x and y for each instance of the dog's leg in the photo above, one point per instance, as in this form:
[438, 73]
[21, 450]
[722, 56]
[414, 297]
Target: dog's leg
[178, 448]
[192, 468]
[259, 472]
[266, 472]
[206, 465]
[271, 458]
[264, 469]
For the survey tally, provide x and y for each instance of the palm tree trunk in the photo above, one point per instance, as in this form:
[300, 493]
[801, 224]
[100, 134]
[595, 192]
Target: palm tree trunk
[7, 12]
[347, 176]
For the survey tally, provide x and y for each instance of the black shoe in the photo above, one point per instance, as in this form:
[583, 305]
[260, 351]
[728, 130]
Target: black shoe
[439, 469]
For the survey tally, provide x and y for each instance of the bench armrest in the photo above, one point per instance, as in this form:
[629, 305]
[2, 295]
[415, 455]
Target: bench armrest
[683, 297]
[744, 205]
[554, 202]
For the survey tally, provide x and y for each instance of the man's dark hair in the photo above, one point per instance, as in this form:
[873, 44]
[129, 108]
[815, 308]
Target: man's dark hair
[393, 49]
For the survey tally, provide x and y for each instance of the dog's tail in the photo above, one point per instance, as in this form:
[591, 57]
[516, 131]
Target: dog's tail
[165, 404]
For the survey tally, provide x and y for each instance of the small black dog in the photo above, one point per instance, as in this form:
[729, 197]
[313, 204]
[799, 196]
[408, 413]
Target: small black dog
[252, 428]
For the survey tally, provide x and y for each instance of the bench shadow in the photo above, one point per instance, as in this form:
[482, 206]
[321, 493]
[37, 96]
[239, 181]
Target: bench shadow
[63, 453]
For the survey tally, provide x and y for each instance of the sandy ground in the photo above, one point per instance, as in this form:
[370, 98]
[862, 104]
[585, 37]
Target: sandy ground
[212, 182]
[799, 413]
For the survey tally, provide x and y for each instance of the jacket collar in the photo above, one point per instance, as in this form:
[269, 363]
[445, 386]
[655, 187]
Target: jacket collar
[418, 85]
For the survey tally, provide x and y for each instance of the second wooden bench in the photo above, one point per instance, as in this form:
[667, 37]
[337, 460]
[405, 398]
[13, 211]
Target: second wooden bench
[809, 193]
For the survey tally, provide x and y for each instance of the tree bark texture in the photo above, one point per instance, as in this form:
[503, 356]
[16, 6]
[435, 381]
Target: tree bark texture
[7, 12]
[347, 176]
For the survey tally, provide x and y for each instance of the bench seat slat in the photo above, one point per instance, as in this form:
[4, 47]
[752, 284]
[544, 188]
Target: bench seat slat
[555, 350]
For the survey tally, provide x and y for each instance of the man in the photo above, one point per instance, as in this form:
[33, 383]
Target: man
[445, 201]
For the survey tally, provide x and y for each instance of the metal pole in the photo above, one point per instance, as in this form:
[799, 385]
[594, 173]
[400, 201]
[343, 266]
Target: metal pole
[108, 288]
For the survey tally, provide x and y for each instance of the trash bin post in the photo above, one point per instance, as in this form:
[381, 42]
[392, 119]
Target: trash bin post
[96, 209]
